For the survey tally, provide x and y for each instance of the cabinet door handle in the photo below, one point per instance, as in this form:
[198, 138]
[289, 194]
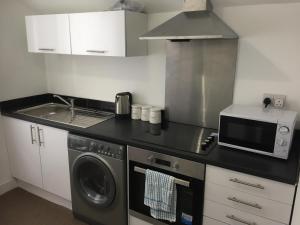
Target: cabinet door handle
[233, 217]
[40, 134]
[47, 49]
[254, 205]
[96, 51]
[235, 180]
[32, 132]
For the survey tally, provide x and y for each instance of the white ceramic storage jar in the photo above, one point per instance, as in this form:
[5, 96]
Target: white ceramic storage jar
[136, 111]
[145, 113]
[155, 115]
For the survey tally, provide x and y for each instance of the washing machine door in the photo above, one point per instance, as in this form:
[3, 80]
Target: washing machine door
[93, 180]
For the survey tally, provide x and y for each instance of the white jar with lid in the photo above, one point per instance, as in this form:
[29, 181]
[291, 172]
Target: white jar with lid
[145, 113]
[136, 111]
[155, 115]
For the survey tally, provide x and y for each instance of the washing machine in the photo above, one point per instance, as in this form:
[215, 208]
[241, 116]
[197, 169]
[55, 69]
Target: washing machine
[98, 181]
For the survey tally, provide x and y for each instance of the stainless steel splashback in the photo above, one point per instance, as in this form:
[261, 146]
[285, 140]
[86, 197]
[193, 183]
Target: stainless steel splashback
[200, 78]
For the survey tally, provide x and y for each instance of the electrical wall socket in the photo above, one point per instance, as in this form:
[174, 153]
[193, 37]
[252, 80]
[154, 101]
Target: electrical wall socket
[277, 101]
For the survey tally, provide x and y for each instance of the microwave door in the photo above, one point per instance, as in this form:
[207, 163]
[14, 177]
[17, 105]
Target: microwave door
[247, 134]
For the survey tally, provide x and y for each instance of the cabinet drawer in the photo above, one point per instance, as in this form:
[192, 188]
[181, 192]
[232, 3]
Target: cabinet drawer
[248, 203]
[209, 221]
[233, 216]
[251, 184]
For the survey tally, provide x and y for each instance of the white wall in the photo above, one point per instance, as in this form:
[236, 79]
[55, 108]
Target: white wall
[21, 74]
[268, 61]
[102, 77]
[5, 175]
[269, 55]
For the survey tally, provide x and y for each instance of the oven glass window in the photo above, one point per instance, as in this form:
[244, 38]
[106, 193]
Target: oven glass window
[189, 200]
[248, 133]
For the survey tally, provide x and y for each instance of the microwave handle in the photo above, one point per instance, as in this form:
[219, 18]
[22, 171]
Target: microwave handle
[177, 181]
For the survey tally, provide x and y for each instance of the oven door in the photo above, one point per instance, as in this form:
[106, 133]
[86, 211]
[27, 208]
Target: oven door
[247, 134]
[189, 199]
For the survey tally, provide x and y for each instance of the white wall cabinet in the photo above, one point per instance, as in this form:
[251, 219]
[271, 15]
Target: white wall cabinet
[110, 33]
[38, 155]
[101, 33]
[48, 34]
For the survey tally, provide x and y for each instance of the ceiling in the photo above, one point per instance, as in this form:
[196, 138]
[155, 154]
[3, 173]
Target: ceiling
[152, 6]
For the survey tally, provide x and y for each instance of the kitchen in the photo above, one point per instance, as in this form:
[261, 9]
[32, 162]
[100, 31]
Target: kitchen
[267, 63]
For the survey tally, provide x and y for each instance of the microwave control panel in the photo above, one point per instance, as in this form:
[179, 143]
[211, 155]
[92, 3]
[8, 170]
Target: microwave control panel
[283, 142]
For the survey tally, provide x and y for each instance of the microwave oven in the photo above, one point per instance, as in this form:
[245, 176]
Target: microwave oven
[266, 131]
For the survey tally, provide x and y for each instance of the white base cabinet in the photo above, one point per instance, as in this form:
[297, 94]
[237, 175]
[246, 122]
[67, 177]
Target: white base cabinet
[55, 161]
[209, 221]
[23, 150]
[296, 213]
[135, 221]
[38, 155]
[237, 198]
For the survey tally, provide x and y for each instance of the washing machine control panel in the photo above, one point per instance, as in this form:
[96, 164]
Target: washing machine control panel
[107, 149]
[97, 146]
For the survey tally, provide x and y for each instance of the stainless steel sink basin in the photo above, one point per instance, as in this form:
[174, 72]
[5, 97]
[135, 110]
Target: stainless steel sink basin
[63, 114]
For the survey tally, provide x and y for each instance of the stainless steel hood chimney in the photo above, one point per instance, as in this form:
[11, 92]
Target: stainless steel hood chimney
[196, 22]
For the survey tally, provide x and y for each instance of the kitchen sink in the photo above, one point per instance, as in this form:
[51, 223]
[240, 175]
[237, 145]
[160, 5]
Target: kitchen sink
[60, 113]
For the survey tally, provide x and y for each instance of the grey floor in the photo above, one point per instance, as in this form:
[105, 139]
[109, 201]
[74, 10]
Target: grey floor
[19, 207]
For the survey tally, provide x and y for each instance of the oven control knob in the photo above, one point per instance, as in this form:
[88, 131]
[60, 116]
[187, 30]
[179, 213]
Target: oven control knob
[204, 146]
[284, 130]
[211, 138]
[176, 165]
[150, 159]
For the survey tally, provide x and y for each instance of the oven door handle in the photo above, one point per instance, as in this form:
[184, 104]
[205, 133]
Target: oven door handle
[177, 181]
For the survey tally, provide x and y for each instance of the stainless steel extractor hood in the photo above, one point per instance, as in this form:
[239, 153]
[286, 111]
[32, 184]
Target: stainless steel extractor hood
[196, 22]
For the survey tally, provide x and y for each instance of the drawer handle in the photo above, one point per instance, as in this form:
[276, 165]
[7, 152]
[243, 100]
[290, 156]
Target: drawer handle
[96, 51]
[32, 131]
[47, 49]
[233, 217]
[254, 205]
[235, 180]
[40, 135]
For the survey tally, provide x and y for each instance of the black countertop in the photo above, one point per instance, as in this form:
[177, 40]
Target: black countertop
[178, 136]
[126, 131]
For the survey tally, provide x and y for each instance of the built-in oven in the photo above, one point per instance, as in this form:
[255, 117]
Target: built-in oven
[189, 180]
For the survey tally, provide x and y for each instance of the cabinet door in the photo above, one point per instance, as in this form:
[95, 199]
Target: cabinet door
[98, 33]
[209, 221]
[296, 213]
[55, 161]
[48, 34]
[135, 221]
[23, 150]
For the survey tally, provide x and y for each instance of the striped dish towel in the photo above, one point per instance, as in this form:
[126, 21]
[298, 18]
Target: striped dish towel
[161, 195]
